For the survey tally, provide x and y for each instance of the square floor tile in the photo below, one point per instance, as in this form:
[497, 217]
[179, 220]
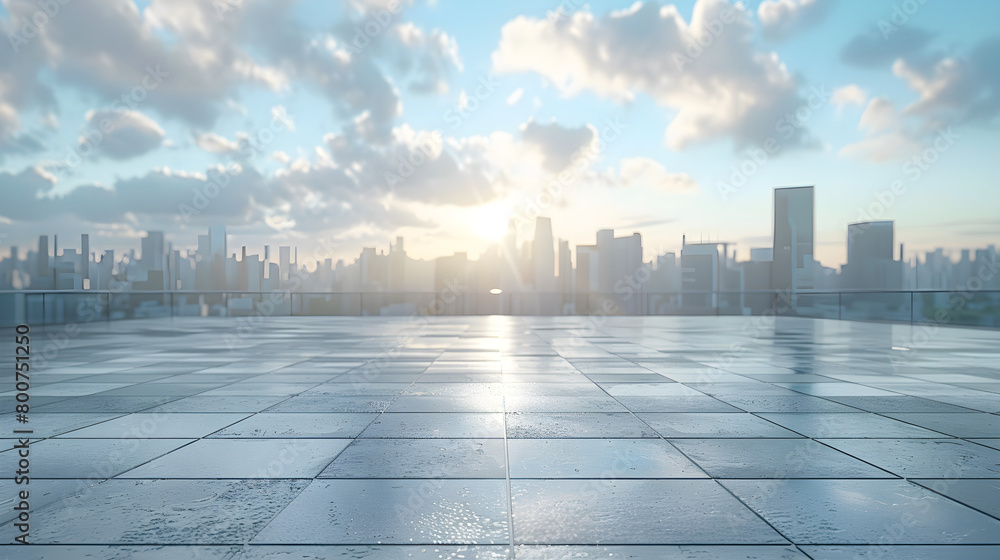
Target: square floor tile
[331, 404]
[420, 458]
[481, 403]
[898, 403]
[560, 403]
[219, 404]
[863, 512]
[162, 512]
[983, 495]
[435, 425]
[924, 458]
[713, 424]
[92, 458]
[676, 404]
[394, 512]
[958, 424]
[159, 425]
[797, 403]
[598, 458]
[904, 552]
[846, 425]
[631, 512]
[650, 390]
[244, 458]
[774, 458]
[576, 425]
[97, 403]
[654, 552]
[299, 425]
[48, 424]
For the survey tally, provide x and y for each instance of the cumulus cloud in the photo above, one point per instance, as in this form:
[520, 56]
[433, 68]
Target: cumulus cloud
[558, 143]
[120, 134]
[957, 89]
[951, 91]
[650, 174]
[725, 89]
[886, 135]
[215, 143]
[781, 19]
[848, 95]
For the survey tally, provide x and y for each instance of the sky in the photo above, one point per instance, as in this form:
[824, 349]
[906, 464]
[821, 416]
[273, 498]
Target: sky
[334, 126]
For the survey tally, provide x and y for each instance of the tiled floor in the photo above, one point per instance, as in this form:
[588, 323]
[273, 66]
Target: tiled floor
[499, 437]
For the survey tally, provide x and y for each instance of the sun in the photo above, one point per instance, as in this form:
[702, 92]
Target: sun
[490, 220]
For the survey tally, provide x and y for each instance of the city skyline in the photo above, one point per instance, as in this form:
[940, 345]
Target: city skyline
[540, 264]
[366, 120]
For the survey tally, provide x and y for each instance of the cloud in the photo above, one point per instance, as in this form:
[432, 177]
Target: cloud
[781, 19]
[952, 91]
[874, 50]
[727, 90]
[21, 144]
[886, 136]
[202, 59]
[558, 143]
[650, 174]
[120, 134]
[515, 96]
[848, 95]
[955, 89]
[216, 144]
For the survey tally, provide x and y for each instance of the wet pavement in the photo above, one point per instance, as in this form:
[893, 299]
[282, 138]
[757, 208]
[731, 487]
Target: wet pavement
[509, 437]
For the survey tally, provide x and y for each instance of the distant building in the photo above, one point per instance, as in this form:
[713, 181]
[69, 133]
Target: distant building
[792, 248]
[870, 265]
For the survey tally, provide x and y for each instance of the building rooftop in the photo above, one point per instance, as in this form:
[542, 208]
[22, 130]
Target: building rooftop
[503, 437]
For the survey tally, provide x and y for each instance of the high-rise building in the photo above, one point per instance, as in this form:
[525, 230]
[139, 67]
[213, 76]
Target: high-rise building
[792, 251]
[152, 251]
[543, 257]
[870, 265]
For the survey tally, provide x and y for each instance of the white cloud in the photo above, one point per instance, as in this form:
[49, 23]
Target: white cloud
[727, 90]
[886, 137]
[120, 134]
[848, 95]
[650, 174]
[216, 144]
[514, 97]
[781, 19]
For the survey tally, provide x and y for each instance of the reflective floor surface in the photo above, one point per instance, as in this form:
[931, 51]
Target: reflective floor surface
[508, 437]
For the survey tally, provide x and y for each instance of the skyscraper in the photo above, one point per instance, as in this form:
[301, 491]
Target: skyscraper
[543, 257]
[869, 257]
[791, 267]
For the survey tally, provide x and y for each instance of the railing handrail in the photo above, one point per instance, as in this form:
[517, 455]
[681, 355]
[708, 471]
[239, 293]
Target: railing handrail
[524, 293]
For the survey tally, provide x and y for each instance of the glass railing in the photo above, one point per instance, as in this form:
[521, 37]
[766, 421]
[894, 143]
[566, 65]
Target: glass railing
[969, 308]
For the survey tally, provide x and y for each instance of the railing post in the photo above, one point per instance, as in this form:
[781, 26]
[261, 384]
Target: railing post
[911, 307]
[840, 305]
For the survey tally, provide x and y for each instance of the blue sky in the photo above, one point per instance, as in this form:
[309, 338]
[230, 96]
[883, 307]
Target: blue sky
[881, 95]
